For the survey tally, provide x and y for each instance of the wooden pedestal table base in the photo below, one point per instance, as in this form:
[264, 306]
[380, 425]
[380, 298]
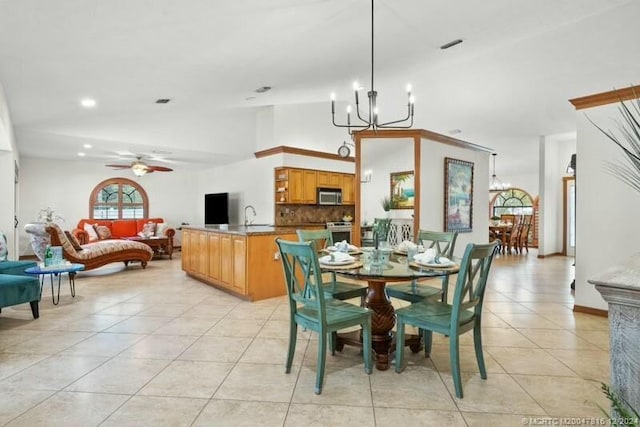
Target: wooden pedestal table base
[382, 323]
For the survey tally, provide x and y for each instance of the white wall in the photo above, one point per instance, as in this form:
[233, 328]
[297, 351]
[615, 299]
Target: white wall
[8, 192]
[65, 186]
[432, 190]
[606, 208]
[555, 154]
[383, 156]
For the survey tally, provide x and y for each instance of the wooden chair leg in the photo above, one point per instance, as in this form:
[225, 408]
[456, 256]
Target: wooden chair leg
[477, 343]
[322, 352]
[454, 357]
[293, 334]
[399, 344]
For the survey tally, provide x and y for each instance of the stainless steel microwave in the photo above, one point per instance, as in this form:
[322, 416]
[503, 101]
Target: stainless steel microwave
[329, 196]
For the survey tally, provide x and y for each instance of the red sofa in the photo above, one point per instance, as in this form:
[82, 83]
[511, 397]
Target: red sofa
[120, 228]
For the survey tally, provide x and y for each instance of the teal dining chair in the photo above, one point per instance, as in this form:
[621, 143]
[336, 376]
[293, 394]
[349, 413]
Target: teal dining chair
[444, 243]
[334, 288]
[312, 310]
[381, 227]
[462, 315]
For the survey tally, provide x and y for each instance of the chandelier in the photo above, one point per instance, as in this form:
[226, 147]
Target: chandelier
[496, 184]
[371, 120]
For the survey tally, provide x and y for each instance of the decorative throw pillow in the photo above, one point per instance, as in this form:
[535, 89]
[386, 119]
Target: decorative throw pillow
[74, 242]
[4, 248]
[161, 228]
[91, 232]
[103, 232]
[149, 229]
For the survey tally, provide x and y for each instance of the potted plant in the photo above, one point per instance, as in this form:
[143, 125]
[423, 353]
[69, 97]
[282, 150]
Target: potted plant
[628, 140]
[495, 220]
[387, 203]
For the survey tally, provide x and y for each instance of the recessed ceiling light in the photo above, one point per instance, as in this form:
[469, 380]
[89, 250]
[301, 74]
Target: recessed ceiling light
[87, 146]
[163, 100]
[454, 131]
[88, 102]
[81, 154]
[263, 89]
[451, 44]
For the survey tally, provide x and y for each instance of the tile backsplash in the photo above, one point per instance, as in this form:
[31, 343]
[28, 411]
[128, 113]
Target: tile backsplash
[309, 214]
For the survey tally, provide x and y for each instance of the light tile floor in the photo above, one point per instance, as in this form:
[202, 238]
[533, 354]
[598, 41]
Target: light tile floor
[156, 348]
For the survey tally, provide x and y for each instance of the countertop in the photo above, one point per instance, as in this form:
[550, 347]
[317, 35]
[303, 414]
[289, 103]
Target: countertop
[250, 230]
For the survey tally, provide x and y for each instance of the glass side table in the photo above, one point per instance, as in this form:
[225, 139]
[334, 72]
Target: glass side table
[58, 271]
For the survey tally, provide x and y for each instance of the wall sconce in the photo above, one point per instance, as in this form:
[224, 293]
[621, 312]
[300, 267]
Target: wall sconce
[366, 176]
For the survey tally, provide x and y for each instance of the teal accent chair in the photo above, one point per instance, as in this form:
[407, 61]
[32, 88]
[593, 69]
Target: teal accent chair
[333, 288]
[310, 308]
[17, 287]
[452, 320]
[444, 243]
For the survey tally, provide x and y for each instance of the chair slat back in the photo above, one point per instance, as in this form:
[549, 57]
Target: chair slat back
[472, 278]
[381, 227]
[321, 238]
[302, 276]
[443, 242]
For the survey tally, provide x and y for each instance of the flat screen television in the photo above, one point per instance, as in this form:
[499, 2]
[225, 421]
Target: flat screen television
[216, 208]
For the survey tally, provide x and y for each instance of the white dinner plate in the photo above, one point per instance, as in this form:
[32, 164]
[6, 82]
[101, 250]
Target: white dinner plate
[327, 260]
[433, 264]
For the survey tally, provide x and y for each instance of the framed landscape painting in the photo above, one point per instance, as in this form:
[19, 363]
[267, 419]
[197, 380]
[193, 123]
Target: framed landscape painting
[458, 195]
[402, 190]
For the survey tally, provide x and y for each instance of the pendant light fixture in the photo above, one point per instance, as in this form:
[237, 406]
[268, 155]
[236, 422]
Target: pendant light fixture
[496, 185]
[371, 120]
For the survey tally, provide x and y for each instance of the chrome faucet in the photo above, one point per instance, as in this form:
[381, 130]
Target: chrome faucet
[246, 220]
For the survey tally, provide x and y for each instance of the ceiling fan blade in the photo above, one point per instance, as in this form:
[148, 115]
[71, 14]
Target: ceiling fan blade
[119, 166]
[159, 169]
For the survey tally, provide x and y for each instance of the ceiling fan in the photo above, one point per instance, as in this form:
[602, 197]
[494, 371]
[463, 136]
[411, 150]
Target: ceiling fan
[140, 168]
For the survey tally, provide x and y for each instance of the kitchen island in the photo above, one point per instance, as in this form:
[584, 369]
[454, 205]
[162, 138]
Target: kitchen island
[242, 260]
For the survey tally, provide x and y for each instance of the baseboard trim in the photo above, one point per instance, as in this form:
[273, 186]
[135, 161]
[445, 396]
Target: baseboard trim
[590, 310]
[28, 258]
[553, 254]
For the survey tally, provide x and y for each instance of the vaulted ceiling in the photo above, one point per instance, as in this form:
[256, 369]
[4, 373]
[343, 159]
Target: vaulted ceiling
[506, 85]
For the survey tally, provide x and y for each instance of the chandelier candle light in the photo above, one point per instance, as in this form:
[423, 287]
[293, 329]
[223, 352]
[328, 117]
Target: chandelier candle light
[496, 184]
[371, 121]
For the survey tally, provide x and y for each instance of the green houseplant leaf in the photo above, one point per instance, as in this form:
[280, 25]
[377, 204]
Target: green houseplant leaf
[627, 138]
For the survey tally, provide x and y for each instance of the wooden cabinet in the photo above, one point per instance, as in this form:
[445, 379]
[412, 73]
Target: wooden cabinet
[239, 250]
[282, 185]
[193, 257]
[295, 186]
[329, 179]
[214, 256]
[233, 251]
[348, 192]
[244, 264]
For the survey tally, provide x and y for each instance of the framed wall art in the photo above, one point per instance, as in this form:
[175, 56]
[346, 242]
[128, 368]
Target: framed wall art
[402, 190]
[458, 195]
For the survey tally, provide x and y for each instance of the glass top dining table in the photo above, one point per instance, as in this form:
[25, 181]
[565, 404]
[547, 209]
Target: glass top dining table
[397, 269]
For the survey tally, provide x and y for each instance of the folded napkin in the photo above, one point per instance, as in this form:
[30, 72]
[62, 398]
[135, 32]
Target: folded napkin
[427, 256]
[406, 245]
[343, 246]
[337, 257]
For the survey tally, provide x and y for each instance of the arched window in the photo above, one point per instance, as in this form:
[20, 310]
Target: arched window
[118, 198]
[513, 201]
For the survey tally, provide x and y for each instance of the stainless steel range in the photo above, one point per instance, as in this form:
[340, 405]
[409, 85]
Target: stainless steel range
[340, 231]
